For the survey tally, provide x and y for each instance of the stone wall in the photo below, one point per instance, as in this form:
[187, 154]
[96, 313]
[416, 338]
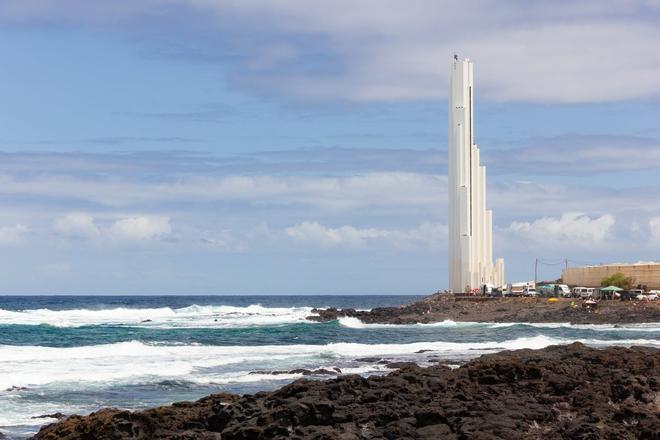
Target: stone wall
[591, 276]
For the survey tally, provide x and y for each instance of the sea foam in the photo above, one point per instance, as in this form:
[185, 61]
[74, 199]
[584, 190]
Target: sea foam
[29, 371]
[194, 316]
[351, 322]
[355, 323]
[137, 362]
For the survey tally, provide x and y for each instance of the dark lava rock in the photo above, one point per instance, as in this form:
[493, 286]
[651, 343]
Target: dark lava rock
[57, 415]
[15, 388]
[400, 365]
[371, 360]
[303, 371]
[440, 307]
[321, 372]
[561, 392]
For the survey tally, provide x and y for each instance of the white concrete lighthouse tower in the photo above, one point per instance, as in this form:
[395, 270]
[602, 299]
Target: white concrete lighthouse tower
[470, 224]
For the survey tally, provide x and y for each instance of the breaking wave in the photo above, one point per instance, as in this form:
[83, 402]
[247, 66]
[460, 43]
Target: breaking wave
[355, 323]
[133, 361]
[193, 316]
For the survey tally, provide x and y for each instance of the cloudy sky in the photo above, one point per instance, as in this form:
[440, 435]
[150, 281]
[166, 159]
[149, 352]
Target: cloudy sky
[297, 146]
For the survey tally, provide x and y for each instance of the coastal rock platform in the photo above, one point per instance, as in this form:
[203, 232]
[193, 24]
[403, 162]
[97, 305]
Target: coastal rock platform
[570, 391]
[440, 307]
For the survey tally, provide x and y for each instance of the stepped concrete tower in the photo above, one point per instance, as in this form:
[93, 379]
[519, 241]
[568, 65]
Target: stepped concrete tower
[470, 224]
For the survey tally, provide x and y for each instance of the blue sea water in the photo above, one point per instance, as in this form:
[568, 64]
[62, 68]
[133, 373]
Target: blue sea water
[76, 354]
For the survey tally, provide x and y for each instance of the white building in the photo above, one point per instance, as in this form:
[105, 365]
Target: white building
[470, 224]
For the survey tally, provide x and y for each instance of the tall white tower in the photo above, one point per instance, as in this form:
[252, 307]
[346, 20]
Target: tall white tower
[470, 224]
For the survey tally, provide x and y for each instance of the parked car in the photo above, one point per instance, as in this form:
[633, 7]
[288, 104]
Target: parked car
[627, 295]
[583, 292]
[497, 293]
[637, 294]
[561, 290]
[530, 291]
[564, 291]
[487, 289]
[518, 289]
[652, 295]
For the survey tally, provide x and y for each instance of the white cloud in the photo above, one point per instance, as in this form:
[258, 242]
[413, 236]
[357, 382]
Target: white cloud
[387, 50]
[289, 198]
[140, 227]
[314, 233]
[426, 235]
[227, 240]
[393, 50]
[654, 225]
[136, 228]
[12, 234]
[334, 193]
[77, 225]
[575, 228]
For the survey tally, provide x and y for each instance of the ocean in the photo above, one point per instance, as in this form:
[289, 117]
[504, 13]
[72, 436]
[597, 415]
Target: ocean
[76, 354]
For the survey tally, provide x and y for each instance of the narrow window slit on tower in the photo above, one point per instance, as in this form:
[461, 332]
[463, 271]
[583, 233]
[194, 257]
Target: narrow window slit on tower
[471, 143]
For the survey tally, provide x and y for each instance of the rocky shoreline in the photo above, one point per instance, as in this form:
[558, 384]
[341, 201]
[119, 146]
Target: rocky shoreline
[558, 392]
[439, 307]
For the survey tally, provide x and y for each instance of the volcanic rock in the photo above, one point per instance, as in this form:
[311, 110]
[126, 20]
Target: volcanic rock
[441, 307]
[399, 365]
[303, 371]
[57, 415]
[371, 360]
[15, 388]
[560, 392]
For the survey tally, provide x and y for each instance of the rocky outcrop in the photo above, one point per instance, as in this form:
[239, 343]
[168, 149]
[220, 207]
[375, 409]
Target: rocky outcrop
[57, 415]
[559, 392]
[437, 308]
[303, 371]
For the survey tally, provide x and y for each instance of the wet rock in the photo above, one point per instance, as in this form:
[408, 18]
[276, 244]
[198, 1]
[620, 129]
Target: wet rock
[370, 360]
[440, 307]
[322, 372]
[15, 389]
[559, 392]
[57, 415]
[398, 365]
[303, 371]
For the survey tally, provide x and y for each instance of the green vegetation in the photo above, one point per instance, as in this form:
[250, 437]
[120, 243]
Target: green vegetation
[619, 280]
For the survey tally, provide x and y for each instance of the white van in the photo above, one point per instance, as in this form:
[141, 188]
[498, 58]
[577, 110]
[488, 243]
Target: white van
[564, 291]
[583, 292]
[530, 291]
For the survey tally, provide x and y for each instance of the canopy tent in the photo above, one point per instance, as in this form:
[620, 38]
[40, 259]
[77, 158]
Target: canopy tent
[609, 292]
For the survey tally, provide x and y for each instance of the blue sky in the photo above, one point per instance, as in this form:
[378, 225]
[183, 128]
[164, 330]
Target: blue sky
[201, 146]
